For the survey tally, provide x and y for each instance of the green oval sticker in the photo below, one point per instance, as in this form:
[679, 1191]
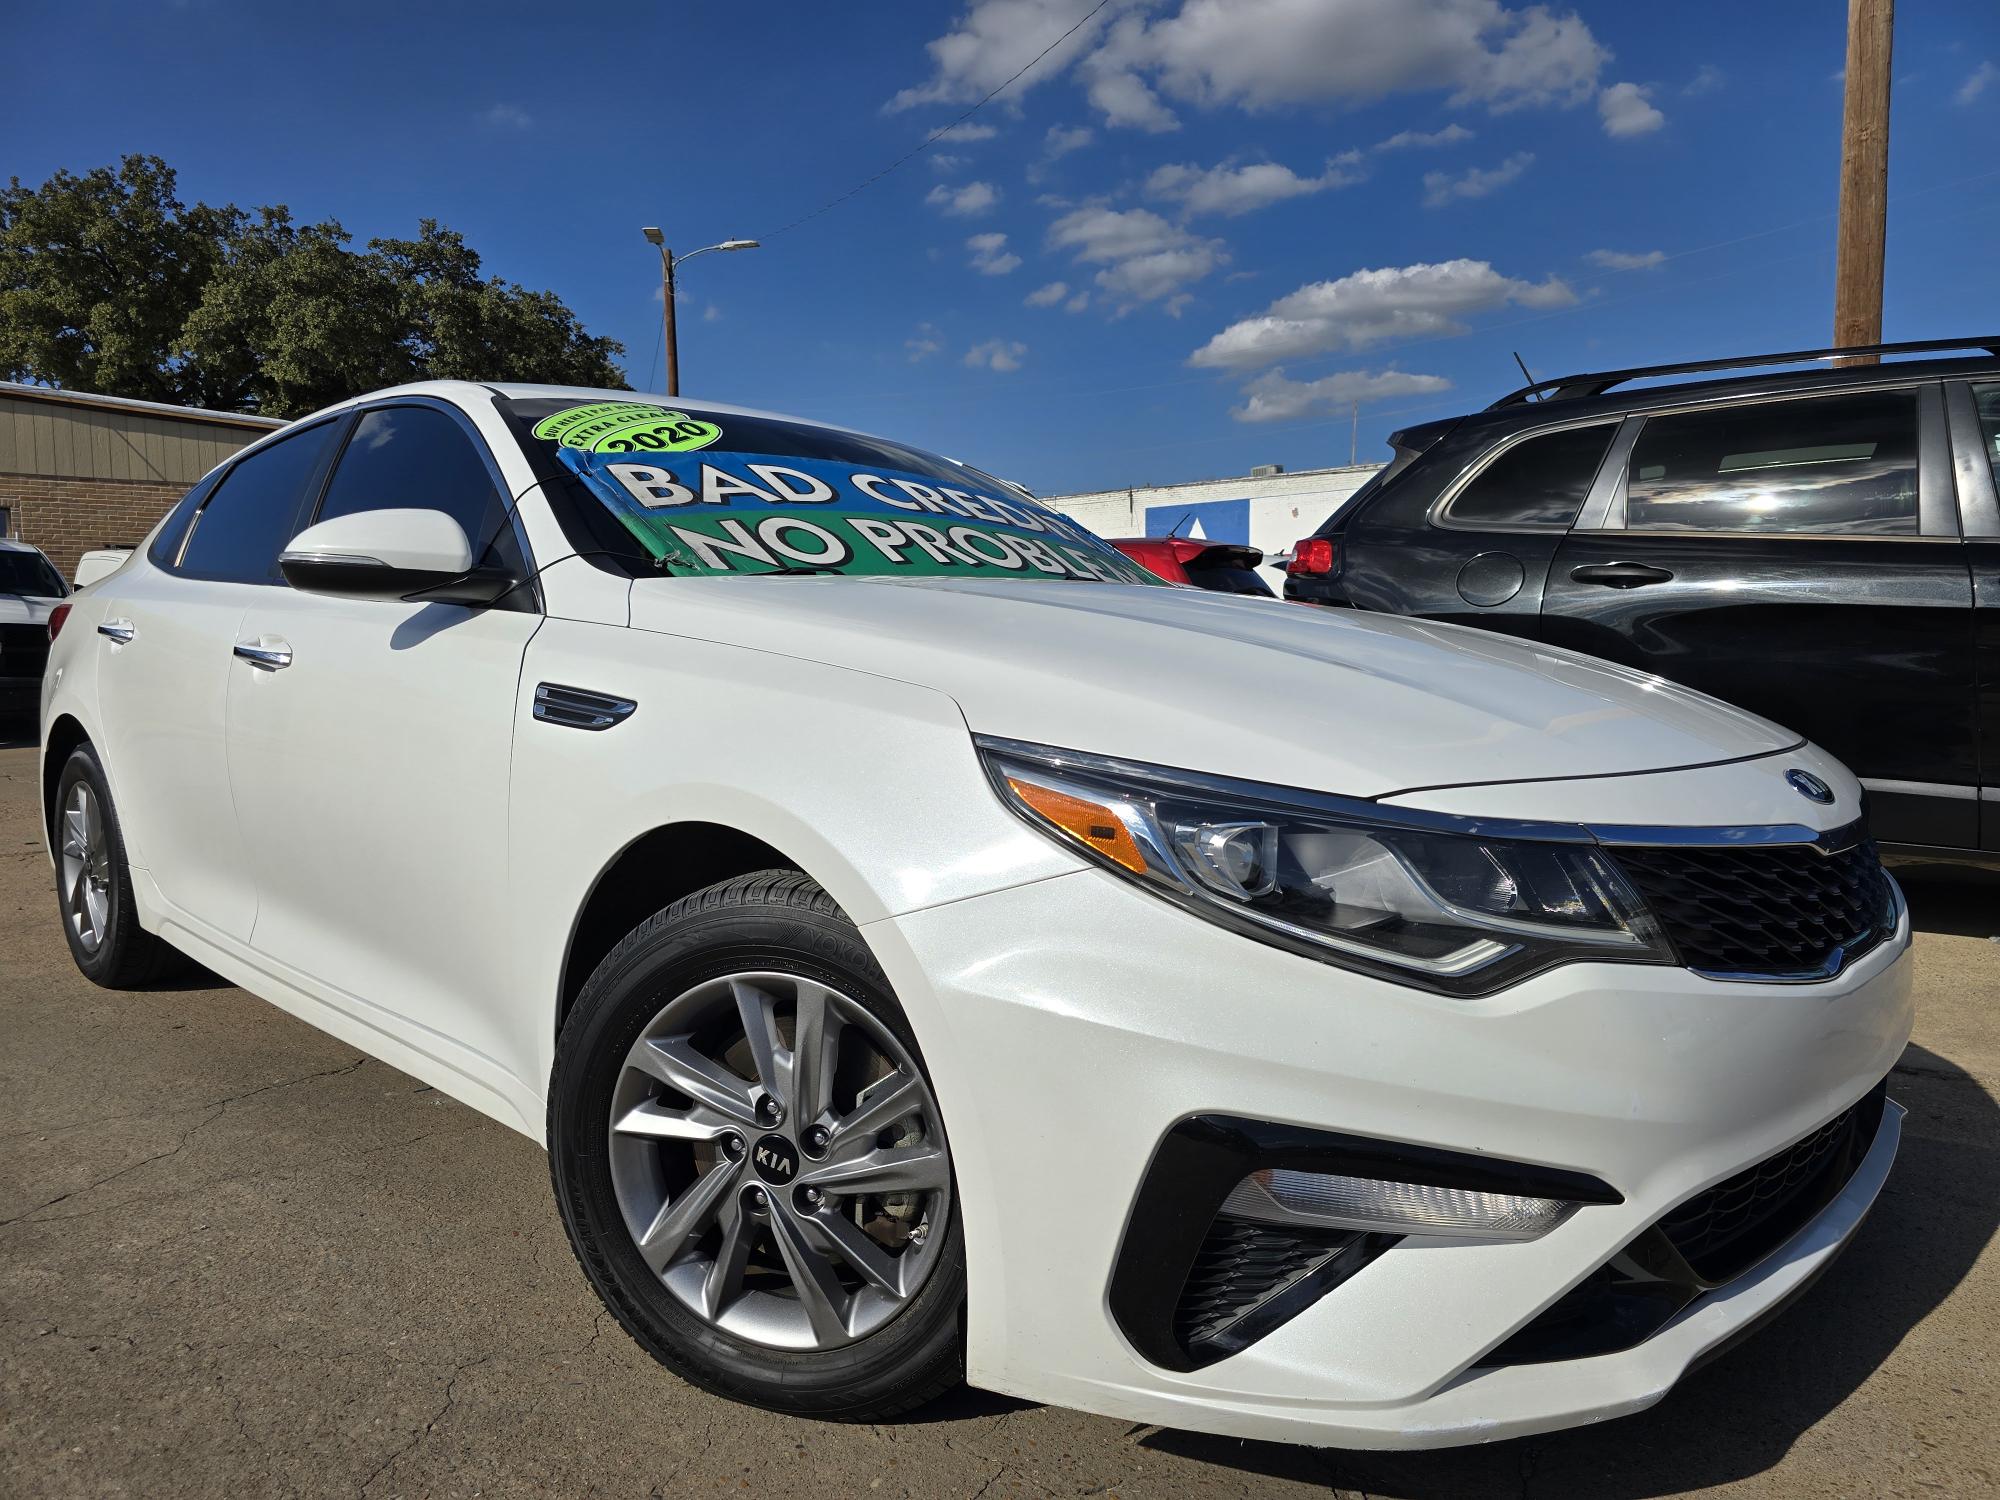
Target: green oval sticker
[626, 427]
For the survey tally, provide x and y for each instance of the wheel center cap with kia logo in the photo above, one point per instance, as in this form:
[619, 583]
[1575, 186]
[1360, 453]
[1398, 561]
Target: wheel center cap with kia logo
[1808, 785]
[776, 1160]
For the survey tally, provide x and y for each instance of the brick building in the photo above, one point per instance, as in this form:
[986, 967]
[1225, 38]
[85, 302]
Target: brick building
[79, 471]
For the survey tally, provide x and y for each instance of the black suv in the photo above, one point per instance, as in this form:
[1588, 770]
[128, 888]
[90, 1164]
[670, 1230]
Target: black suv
[1819, 546]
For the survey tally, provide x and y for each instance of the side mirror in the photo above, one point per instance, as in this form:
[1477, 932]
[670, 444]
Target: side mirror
[391, 554]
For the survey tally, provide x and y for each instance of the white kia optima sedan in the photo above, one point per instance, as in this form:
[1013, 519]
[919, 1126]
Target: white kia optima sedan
[932, 948]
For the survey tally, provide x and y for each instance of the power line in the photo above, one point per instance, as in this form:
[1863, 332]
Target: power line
[937, 135]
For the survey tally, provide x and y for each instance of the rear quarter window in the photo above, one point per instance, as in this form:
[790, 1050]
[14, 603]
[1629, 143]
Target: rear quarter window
[1539, 483]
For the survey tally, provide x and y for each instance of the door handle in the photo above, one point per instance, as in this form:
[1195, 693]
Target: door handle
[265, 658]
[1620, 575]
[120, 631]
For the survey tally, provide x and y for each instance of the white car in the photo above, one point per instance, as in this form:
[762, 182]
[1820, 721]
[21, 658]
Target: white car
[932, 949]
[30, 588]
[100, 562]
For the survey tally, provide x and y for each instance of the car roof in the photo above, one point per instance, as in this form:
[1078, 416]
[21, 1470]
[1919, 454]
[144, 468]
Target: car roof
[1522, 413]
[462, 391]
[8, 544]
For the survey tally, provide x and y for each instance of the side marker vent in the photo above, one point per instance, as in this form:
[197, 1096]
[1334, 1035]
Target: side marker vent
[579, 708]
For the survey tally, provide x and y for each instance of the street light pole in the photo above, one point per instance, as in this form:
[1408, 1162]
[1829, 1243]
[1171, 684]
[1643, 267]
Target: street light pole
[669, 263]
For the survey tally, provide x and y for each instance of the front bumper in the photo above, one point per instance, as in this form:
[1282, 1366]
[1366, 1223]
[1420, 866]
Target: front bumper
[1069, 1025]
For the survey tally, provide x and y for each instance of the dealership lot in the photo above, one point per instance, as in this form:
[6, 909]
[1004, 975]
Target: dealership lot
[237, 1257]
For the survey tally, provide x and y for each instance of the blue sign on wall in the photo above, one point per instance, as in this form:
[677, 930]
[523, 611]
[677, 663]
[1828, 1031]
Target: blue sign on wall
[1209, 521]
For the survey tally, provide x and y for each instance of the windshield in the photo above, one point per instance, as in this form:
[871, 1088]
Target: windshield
[701, 493]
[30, 573]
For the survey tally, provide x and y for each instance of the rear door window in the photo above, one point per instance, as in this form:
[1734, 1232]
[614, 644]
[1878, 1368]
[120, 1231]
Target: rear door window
[1830, 466]
[1537, 484]
[238, 534]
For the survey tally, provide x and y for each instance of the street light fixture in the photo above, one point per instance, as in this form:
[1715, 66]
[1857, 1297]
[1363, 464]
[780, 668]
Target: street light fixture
[669, 263]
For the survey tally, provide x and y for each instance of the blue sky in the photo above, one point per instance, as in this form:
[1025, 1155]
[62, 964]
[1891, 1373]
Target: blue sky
[1223, 220]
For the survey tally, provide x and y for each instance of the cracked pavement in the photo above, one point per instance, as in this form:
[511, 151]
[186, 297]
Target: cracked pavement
[238, 1258]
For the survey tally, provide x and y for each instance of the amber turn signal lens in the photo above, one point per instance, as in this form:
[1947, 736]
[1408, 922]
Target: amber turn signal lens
[1092, 824]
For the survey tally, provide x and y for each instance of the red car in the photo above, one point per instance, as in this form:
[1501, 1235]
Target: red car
[1226, 567]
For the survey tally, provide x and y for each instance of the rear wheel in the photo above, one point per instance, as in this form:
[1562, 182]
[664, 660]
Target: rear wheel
[94, 885]
[750, 1161]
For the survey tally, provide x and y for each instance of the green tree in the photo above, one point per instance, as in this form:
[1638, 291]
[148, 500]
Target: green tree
[293, 320]
[465, 328]
[109, 283]
[98, 274]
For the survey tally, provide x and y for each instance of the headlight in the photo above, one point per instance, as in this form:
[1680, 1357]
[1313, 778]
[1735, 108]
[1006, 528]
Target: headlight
[1451, 904]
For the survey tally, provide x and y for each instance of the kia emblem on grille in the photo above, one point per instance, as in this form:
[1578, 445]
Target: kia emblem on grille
[1808, 785]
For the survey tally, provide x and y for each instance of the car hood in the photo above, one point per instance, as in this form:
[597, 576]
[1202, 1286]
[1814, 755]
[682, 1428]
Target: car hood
[25, 609]
[1334, 700]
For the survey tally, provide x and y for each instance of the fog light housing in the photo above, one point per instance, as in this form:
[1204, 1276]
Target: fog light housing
[1329, 1200]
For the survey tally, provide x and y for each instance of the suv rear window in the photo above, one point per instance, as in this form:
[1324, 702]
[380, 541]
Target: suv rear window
[1540, 482]
[1828, 466]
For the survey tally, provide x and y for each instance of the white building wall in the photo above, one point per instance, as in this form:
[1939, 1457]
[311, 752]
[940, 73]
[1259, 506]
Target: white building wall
[1269, 512]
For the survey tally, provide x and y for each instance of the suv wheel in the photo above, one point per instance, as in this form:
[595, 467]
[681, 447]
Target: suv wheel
[94, 886]
[750, 1162]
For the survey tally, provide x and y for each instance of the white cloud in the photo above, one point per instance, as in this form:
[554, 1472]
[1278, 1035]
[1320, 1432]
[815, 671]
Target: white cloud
[1232, 190]
[926, 341]
[1273, 398]
[1077, 303]
[506, 117]
[1003, 355]
[1441, 188]
[1047, 296]
[1424, 140]
[943, 162]
[967, 202]
[1262, 54]
[1622, 260]
[1126, 100]
[1626, 109]
[1060, 141]
[966, 132]
[1145, 258]
[1975, 84]
[1707, 79]
[990, 256]
[711, 314]
[1368, 307]
[990, 41]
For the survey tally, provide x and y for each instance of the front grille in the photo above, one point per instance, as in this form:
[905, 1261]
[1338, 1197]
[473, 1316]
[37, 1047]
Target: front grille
[1723, 1232]
[24, 650]
[1790, 910]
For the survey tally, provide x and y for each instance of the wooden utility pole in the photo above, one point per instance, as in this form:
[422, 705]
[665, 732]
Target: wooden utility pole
[1864, 176]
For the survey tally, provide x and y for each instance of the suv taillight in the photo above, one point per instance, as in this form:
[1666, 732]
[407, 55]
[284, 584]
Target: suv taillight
[56, 618]
[1312, 557]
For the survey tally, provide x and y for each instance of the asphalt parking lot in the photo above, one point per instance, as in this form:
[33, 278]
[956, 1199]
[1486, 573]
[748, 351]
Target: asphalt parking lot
[237, 1257]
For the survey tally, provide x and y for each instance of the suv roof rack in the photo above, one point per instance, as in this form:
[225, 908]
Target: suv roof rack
[1568, 387]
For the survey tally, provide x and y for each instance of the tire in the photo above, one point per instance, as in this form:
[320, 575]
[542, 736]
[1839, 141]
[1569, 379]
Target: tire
[94, 884]
[742, 1305]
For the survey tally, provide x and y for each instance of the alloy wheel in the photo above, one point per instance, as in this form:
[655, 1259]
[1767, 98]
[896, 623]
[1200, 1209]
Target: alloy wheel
[86, 868]
[779, 1161]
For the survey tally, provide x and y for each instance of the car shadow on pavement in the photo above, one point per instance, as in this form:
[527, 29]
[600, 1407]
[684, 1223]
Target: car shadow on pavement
[1740, 1415]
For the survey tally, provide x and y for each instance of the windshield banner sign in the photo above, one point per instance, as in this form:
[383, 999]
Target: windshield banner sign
[726, 512]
